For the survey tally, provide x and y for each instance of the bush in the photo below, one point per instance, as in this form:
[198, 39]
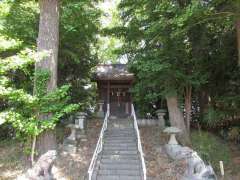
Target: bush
[210, 148]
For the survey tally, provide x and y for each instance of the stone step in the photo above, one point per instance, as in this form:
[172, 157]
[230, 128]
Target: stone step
[119, 172]
[114, 143]
[125, 130]
[121, 126]
[119, 148]
[119, 120]
[119, 140]
[120, 161]
[120, 157]
[119, 135]
[120, 145]
[121, 177]
[117, 124]
[125, 166]
[120, 152]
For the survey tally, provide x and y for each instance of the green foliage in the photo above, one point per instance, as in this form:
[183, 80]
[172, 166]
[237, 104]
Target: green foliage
[173, 45]
[19, 20]
[31, 114]
[213, 117]
[109, 45]
[234, 134]
[78, 53]
[210, 148]
[77, 41]
[41, 78]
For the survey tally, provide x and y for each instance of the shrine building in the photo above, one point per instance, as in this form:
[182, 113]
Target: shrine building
[113, 87]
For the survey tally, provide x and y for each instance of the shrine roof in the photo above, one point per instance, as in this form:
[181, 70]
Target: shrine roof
[112, 72]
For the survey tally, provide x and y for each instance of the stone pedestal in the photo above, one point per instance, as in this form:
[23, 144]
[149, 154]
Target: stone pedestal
[100, 112]
[70, 143]
[72, 136]
[70, 146]
[172, 131]
[80, 120]
[126, 108]
[172, 140]
[161, 113]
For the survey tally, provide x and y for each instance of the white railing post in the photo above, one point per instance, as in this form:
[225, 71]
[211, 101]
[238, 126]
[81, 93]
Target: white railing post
[99, 145]
[139, 143]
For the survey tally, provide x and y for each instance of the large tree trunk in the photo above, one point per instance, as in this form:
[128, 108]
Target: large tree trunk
[203, 102]
[188, 107]
[176, 118]
[238, 39]
[48, 40]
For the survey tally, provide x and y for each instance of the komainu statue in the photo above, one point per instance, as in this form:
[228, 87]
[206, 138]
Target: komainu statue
[42, 168]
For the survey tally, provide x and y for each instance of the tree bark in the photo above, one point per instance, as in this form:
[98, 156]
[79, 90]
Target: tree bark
[238, 39]
[48, 40]
[203, 101]
[188, 107]
[176, 118]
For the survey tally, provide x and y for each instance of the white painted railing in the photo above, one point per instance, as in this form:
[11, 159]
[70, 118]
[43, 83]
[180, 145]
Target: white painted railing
[139, 143]
[99, 145]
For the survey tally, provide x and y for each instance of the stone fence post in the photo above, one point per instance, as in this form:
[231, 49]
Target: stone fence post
[100, 112]
[161, 113]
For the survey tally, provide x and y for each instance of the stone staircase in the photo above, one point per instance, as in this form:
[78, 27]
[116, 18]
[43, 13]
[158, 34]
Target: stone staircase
[119, 159]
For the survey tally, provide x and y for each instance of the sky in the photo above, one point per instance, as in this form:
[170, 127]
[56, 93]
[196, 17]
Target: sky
[108, 7]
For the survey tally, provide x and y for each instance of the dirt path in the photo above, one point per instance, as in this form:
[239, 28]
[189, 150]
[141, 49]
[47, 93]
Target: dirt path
[66, 167]
[159, 166]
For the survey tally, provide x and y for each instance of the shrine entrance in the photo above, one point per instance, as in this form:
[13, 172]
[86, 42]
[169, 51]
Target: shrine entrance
[114, 83]
[119, 102]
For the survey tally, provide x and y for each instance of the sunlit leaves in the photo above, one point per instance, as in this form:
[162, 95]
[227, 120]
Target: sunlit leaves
[20, 61]
[25, 111]
[21, 20]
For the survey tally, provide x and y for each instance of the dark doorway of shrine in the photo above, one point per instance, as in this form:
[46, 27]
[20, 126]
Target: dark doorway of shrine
[120, 102]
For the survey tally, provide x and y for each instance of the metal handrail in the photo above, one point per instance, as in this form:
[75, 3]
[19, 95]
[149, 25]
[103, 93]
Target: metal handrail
[139, 143]
[99, 145]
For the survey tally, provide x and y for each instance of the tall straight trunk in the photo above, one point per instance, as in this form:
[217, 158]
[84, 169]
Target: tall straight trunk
[48, 40]
[238, 39]
[176, 118]
[188, 107]
[203, 101]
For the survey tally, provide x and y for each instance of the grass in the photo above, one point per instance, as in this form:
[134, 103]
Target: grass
[211, 148]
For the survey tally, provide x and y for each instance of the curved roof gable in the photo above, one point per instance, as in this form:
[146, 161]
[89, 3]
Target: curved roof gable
[112, 72]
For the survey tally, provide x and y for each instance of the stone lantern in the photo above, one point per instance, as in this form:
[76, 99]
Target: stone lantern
[161, 113]
[100, 112]
[173, 131]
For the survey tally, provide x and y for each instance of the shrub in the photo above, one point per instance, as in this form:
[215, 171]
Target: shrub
[210, 148]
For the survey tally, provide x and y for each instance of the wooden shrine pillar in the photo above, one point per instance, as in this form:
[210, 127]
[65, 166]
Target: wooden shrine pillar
[108, 94]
